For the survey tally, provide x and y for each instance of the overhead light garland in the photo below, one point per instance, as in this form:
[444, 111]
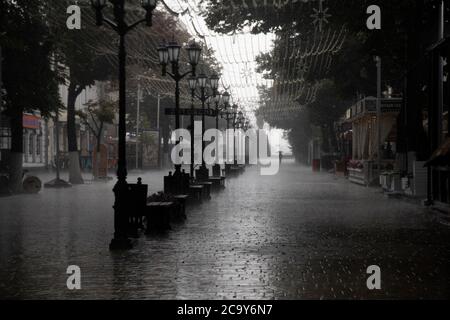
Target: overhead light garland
[320, 15]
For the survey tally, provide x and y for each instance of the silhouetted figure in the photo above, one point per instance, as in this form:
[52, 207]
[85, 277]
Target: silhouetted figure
[280, 155]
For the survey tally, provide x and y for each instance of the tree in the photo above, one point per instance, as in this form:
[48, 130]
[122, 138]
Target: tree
[30, 75]
[96, 116]
[408, 27]
[83, 66]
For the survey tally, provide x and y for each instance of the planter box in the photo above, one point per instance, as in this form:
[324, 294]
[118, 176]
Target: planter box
[357, 176]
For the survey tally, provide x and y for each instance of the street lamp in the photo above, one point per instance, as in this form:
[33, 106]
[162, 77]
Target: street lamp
[223, 111]
[219, 99]
[203, 82]
[236, 119]
[171, 54]
[192, 86]
[227, 114]
[240, 118]
[149, 6]
[121, 27]
[226, 98]
[214, 80]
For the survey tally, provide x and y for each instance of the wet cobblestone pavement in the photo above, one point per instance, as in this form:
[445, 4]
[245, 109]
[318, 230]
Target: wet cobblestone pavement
[297, 235]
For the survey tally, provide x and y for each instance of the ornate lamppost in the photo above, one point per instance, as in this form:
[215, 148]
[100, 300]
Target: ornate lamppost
[192, 86]
[218, 99]
[121, 27]
[229, 114]
[223, 98]
[171, 54]
[237, 124]
[202, 83]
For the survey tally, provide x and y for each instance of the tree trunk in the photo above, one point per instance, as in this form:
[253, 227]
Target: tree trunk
[98, 155]
[16, 158]
[74, 155]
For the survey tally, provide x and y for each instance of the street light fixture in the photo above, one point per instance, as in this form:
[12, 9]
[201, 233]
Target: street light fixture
[192, 83]
[203, 83]
[226, 98]
[218, 98]
[163, 57]
[194, 52]
[149, 6]
[171, 54]
[228, 114]
[173, 49]
[192, 80]
[121, 27]
[214, 81]
[236, 119]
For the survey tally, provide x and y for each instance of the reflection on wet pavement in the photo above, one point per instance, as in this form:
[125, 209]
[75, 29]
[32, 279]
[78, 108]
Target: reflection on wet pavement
[296, 235]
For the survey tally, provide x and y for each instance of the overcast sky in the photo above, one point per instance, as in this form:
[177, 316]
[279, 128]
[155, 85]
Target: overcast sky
[236, 54]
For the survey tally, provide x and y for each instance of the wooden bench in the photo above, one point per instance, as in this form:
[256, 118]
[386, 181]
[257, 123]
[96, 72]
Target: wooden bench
[196, 192]
[158, 215]
[176, 184]
[236, 170]
[182, 200]
[207, 188]
[217, 170]
[218, 182]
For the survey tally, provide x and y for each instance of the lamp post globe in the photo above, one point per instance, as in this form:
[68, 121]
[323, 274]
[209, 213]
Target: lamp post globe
[192, 83]
[226, 98]
[173, 49]
[163, 55]
[194, 52]
[214, 80]
[202, 81]
[218, 98]
[149, 6]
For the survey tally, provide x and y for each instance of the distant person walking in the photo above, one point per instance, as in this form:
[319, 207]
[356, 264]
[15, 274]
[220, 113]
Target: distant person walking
[280, 155]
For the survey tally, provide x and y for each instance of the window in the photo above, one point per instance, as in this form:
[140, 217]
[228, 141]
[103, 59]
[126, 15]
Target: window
[38, 144]
[25, 145]
[5, 138]
[30, 143]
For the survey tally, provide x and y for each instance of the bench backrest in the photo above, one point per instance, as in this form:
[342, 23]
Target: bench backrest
[137, 195]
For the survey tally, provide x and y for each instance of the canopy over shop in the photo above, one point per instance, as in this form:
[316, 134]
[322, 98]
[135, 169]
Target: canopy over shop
[364, 132]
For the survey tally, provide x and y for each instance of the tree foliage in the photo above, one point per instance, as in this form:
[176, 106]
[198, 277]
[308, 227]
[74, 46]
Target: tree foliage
[29, 75]
[408, 28]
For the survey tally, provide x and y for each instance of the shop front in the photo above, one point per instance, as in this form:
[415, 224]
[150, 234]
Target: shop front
[363, 166]
[34, 140]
